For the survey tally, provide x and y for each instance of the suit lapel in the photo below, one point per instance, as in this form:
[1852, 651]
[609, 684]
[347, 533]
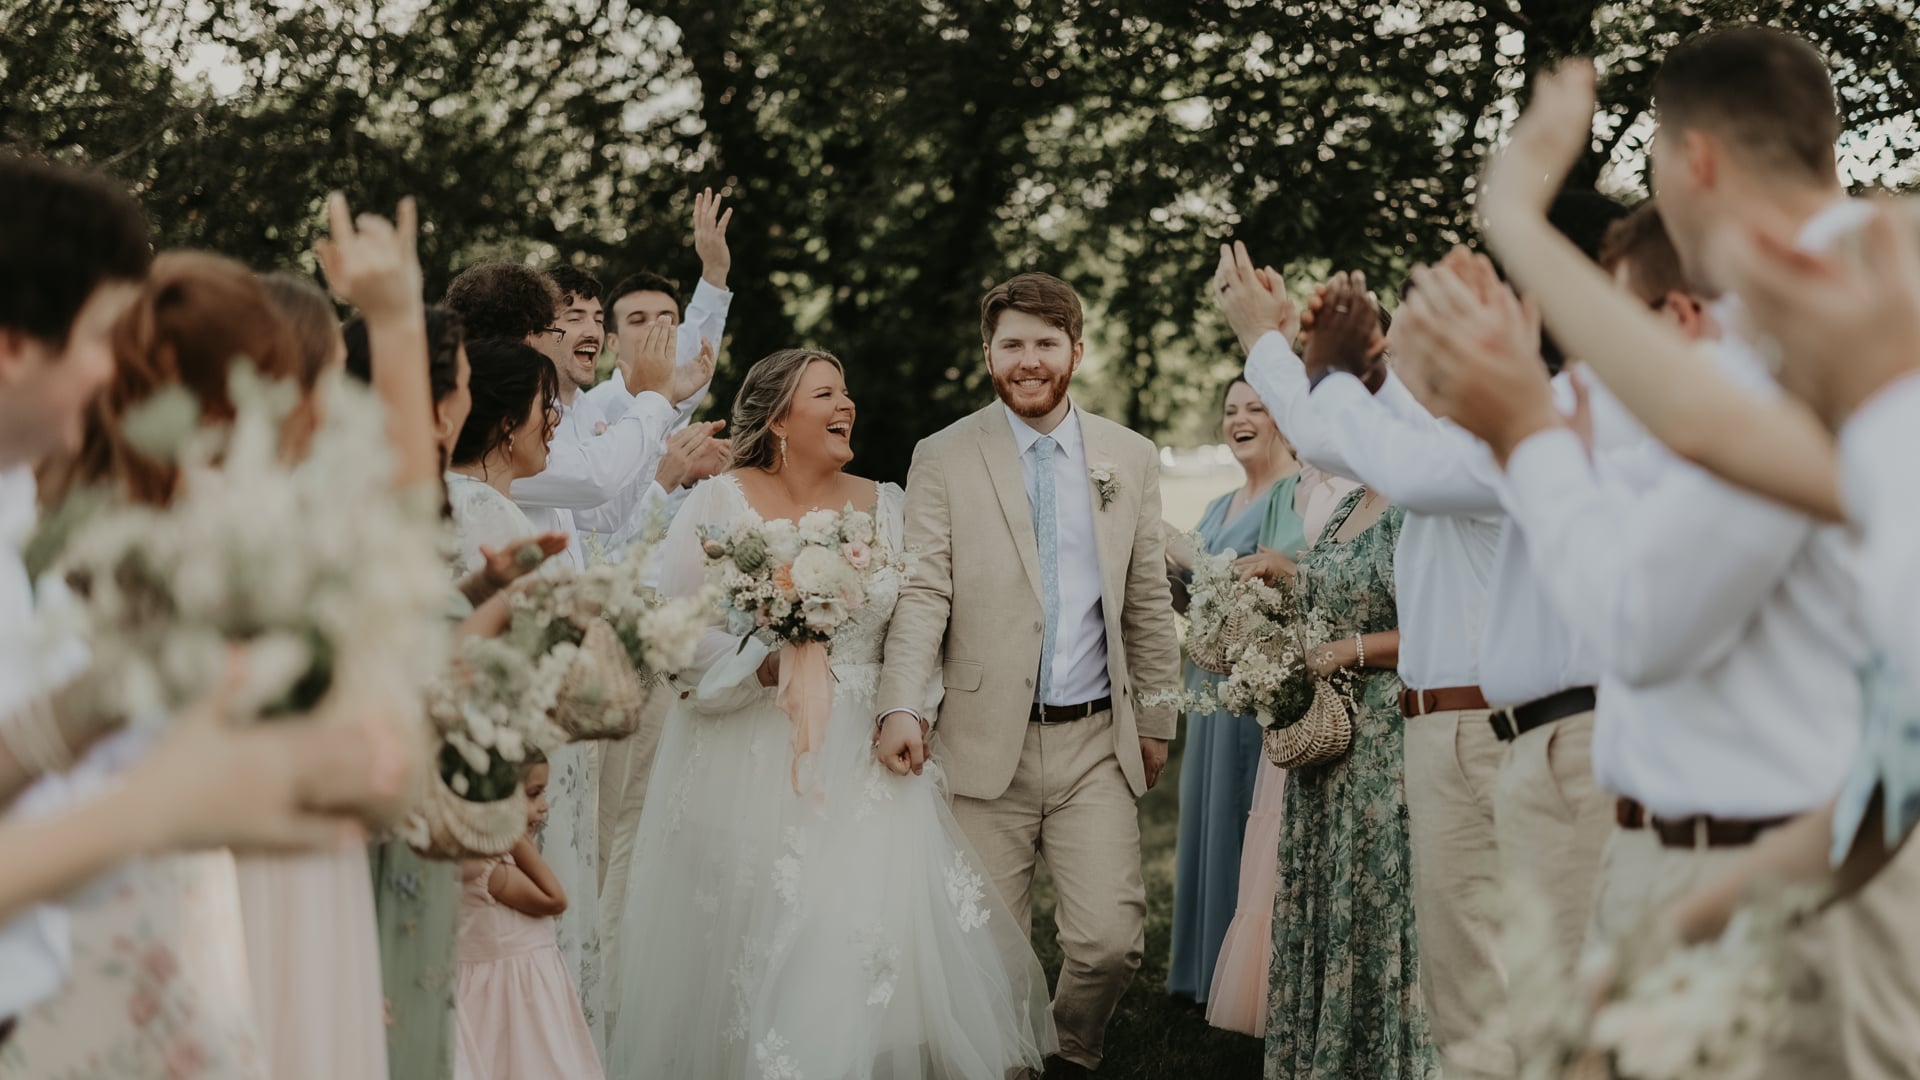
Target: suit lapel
[1010, 484]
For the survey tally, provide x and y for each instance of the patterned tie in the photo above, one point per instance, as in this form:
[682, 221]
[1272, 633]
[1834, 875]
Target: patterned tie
[1046, 528]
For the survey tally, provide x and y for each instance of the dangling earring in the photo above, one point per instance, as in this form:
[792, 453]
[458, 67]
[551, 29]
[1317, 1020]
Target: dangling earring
[783, 451]
[509, 446]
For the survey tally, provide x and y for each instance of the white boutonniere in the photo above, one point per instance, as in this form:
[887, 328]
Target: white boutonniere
[600, 427]
[1104, 485]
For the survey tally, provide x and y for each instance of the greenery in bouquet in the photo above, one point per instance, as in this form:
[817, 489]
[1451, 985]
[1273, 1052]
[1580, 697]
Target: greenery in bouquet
[310, 560]
[1643, 1007]
[1226, 614]
[492, 707]
[793, 582]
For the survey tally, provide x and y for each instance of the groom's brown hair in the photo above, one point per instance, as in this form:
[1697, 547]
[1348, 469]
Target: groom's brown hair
[1042, 296]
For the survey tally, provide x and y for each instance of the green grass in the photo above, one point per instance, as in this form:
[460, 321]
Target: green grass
[1154, 1036]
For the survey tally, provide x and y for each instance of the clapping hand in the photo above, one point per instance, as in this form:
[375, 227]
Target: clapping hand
[1470, 351]
[693, 454]
[1346, 327]
[504, 565]
[710, 238]
[372, 263]
[1522, 178]
[692, 377]
[1254, 300]
[1846, 324]
[649, 367]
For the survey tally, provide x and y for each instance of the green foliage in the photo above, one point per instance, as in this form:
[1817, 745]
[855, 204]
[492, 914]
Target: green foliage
[888, 159]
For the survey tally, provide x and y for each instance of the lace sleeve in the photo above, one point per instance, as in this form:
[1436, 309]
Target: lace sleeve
[891, 513]
[722, 674]
[483, 516]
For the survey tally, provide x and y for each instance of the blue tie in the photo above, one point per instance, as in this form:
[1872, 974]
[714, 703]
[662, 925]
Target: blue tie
[1046, 528]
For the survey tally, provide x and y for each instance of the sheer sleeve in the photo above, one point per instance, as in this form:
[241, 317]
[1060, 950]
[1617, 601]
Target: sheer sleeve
[721, 677]
[483, 516]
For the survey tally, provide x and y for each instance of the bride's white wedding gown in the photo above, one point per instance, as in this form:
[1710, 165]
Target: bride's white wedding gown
[774, 936]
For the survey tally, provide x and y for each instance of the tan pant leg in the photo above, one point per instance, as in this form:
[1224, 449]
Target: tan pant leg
[1553, 820]
[1452, 761]
[1876, 954]
[1090, 837]
[1005, 832]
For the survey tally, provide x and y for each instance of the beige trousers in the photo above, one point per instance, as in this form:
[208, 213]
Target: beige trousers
[1553, 822]
[1070, 805]
[623, 790]
[1854, 983]
[1452, 766]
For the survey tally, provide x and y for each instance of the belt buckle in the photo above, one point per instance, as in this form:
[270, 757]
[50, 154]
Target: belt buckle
[1505, 727]
[1702, 834]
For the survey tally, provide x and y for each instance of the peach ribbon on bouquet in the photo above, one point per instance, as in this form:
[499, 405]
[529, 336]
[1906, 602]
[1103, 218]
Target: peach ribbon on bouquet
[806, 696]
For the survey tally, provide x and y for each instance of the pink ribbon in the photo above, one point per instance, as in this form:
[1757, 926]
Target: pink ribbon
[806, 696]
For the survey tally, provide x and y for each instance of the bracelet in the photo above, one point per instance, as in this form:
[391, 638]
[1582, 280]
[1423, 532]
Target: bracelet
[33, 737]
[1359, 652]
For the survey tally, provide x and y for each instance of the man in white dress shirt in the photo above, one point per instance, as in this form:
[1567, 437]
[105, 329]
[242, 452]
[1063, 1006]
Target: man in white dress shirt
[69, 262]
[1727, 624]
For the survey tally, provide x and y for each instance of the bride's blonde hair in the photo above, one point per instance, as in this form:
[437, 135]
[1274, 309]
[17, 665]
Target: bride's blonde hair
[766, 395]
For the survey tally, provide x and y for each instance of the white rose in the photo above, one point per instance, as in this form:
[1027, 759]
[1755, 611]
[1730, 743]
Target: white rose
[824, 613]
[819, 571]
[817, 527]
[858, 527]
[783, 541]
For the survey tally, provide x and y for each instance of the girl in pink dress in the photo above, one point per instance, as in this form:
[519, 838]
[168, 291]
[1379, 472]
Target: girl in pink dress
[515, 1010]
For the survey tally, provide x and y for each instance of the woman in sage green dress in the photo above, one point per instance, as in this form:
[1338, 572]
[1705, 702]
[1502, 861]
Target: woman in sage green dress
[1221, 754]
[1345, 996]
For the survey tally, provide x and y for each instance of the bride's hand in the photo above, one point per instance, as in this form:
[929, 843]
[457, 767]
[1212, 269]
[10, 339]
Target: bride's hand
[769, 672]
[901, 743]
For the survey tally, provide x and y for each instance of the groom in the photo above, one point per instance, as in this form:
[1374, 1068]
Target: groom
[1040, 592]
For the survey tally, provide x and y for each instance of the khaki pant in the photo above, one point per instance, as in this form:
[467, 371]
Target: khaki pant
[1452, 764]
[623, 790]
[1070, 804]
[1854, 980]
[1553, 822]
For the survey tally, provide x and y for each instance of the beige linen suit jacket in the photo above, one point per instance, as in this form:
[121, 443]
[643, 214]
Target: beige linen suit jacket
[971, 607]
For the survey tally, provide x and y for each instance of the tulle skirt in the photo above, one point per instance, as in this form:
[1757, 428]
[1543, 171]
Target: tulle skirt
[850, 933]
[518, 1017]
[1238, 999]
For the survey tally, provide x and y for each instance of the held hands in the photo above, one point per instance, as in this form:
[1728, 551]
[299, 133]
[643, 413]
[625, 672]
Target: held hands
[1153, 758]
[1470, 351]
[1266, 564]
[710, 238]
[901, 743]
[1346, 327]
[371, 263]
[1254, 301]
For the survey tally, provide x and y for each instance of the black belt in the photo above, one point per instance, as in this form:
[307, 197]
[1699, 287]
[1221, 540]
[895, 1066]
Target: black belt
[1510, 724]
[1066, 714]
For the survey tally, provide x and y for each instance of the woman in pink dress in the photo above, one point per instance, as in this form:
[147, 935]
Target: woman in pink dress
[515, 1010]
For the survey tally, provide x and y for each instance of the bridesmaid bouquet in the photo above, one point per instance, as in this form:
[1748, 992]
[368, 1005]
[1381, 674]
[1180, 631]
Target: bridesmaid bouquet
[311, 562]
[1702, 1012]
[1227, 616]
[792, 583]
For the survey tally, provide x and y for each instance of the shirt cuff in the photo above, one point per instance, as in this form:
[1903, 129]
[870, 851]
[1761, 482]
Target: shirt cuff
[1538, 468]
[651, 408]
[1876, 448]
[707, 294]
[1337, 388]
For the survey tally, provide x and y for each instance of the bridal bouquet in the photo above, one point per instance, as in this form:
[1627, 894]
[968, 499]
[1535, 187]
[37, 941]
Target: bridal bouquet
[791, 586]
[792, 583]
[310, 561]
[1702, 1012]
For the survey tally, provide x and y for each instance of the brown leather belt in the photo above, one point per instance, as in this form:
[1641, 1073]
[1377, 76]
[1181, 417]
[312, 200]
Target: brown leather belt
[1065, 714]
[1446, 699]
[1510, 724]
[1694, 832]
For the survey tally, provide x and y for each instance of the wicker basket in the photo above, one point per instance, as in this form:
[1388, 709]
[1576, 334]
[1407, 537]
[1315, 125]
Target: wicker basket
[603, 696]
[1322, 735]
[1213, 655]
[459, 828]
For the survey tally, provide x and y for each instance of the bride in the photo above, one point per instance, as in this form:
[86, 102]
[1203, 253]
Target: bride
[844, 932]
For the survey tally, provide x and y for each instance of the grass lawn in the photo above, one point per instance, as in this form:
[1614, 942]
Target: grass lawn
[1154, 1036]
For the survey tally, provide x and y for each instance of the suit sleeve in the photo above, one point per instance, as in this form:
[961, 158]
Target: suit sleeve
[919, 627]
[1146, 617]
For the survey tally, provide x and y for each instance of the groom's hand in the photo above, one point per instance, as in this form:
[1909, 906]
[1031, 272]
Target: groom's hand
[901, 743]
[1153, 755]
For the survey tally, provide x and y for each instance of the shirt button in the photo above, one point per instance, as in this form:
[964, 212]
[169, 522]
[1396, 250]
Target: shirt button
[1039, 628]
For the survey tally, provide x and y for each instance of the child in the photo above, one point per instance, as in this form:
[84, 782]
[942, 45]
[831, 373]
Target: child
[516, 1013]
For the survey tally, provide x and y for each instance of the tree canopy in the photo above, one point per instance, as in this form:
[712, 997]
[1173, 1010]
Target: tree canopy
[888, 159]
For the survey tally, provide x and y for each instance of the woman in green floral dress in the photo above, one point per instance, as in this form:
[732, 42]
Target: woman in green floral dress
[1345, 999]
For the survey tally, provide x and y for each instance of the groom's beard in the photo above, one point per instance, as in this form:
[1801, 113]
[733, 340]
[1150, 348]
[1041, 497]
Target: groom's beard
[1030, 406]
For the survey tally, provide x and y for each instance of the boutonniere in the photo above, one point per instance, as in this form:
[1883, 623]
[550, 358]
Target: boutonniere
[599, 427]
[1104, 485]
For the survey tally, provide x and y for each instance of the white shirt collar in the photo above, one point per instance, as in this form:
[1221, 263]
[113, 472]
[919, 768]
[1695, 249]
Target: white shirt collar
[1067, 434]
[17, 510]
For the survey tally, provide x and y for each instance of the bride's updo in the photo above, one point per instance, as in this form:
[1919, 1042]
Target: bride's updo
[765, 396]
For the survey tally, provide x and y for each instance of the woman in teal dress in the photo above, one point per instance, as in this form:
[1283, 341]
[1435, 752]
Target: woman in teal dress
[1221, 750]
[1344, 1001]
